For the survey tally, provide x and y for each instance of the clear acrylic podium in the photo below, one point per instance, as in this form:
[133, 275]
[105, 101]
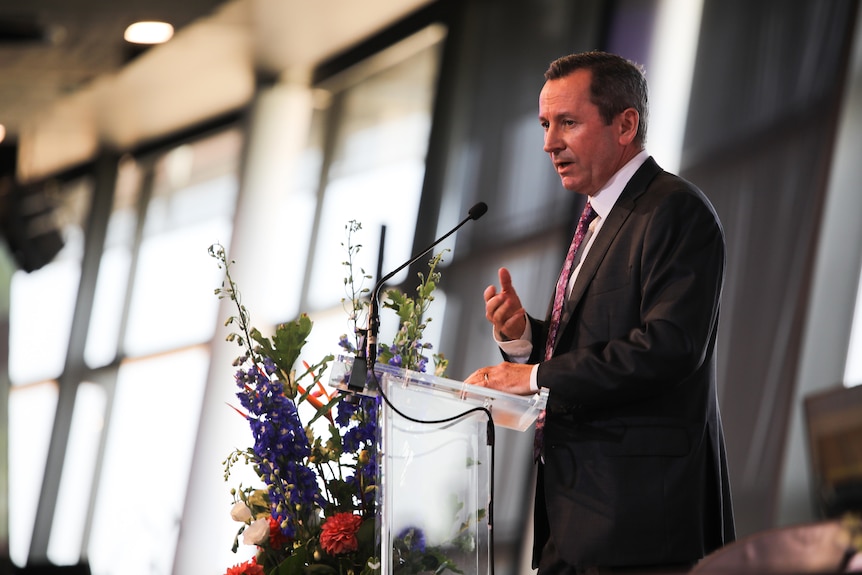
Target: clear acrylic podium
[436, 462]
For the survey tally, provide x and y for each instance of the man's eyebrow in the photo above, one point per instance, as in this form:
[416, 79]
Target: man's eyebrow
[557, 116]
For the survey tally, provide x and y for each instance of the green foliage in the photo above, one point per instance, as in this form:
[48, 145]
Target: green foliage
[287, 342]
[412, 322]
[355, 304]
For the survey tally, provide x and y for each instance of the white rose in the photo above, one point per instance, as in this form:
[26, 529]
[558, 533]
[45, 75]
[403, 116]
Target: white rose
[240, 512]
[257, 532]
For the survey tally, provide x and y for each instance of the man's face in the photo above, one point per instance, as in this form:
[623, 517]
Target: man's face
[585, 151]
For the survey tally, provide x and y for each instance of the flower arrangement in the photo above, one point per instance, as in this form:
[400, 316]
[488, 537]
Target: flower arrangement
[316, 452]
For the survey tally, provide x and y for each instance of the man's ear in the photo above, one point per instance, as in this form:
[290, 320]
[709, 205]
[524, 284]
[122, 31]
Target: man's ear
[629, 120]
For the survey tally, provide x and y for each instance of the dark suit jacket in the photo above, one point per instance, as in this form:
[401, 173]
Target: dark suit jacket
[634, 466]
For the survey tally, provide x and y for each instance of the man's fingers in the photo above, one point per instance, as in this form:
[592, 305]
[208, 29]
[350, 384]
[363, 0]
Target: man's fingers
[505, 280]
[514, 326]
[490, 292]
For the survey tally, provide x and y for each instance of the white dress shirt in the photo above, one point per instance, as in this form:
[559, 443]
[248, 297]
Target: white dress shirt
[519, 350]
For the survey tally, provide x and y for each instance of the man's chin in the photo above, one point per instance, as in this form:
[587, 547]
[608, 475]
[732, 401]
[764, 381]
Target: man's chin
[569, 183]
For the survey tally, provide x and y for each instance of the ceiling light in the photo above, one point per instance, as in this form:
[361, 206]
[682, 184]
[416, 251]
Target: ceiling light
[2, 132]
[148, 33]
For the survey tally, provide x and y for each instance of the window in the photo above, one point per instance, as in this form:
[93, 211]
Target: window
[375, 172]
[138, 379]
[39, 333]
[160, 380]
[41, 319]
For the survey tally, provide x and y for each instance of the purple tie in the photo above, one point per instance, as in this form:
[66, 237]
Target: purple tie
[587, 216]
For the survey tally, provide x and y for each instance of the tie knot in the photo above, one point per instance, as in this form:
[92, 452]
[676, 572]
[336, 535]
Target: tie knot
[587, 216]
[589, 213]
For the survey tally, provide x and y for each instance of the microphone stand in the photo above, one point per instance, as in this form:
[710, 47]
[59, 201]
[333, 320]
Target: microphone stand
[367, 353]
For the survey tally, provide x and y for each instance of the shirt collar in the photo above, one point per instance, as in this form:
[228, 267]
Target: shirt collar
[603, 200]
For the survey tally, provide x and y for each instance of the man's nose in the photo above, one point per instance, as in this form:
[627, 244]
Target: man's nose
[552, 141]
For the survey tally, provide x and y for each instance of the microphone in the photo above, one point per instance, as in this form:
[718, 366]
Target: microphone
[368, 354]
[473, 213]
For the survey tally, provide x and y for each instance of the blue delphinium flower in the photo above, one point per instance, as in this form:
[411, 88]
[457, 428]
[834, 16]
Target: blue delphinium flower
[280, 444]
[358, 422]
[346, 344]
[413, 538]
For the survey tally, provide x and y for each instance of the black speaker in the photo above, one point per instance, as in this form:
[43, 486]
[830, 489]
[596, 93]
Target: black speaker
[27, 218]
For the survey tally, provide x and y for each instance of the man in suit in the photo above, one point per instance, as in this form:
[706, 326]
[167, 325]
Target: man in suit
[631, 463]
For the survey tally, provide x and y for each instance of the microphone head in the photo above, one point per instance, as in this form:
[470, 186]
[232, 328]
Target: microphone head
[478, 211]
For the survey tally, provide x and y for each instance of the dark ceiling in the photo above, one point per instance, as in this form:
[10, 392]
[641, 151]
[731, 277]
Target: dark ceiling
[51, 48]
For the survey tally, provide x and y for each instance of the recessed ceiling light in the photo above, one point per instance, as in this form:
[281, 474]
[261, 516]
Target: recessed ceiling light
[148, 33]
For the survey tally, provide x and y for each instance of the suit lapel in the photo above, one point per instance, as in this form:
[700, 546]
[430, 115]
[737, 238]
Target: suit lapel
[608, 232]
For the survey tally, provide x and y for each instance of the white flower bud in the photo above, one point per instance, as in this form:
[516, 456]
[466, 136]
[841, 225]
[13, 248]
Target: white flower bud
[257, 532]
[240, 512]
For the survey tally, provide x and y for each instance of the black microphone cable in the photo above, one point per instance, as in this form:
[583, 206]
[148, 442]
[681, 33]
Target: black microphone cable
[365, 362]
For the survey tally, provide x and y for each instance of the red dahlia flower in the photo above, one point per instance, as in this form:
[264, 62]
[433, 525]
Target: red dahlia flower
[277, 539]
[338, 535]
[248, 568]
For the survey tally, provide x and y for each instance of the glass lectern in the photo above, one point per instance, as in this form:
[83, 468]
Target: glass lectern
[436, 456]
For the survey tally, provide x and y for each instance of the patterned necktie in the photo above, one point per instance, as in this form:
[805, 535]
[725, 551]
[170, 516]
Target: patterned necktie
[587, 216]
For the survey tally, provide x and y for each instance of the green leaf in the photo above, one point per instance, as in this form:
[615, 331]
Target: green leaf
[371, 567]
[319, 569]
[293, 565]
[287, 342]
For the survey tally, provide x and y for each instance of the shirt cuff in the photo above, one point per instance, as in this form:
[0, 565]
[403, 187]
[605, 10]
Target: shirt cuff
[519, 350]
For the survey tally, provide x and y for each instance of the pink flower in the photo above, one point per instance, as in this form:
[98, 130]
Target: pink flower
[240, 512]
[338, 535]
[248, 568]
[257, 532]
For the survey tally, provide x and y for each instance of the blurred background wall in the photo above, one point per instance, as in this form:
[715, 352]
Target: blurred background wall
[267, 125]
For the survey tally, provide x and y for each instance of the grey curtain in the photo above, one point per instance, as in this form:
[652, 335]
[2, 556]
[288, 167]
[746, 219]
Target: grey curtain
[762, 119]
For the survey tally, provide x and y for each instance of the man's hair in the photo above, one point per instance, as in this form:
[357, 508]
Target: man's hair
[616, 84]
